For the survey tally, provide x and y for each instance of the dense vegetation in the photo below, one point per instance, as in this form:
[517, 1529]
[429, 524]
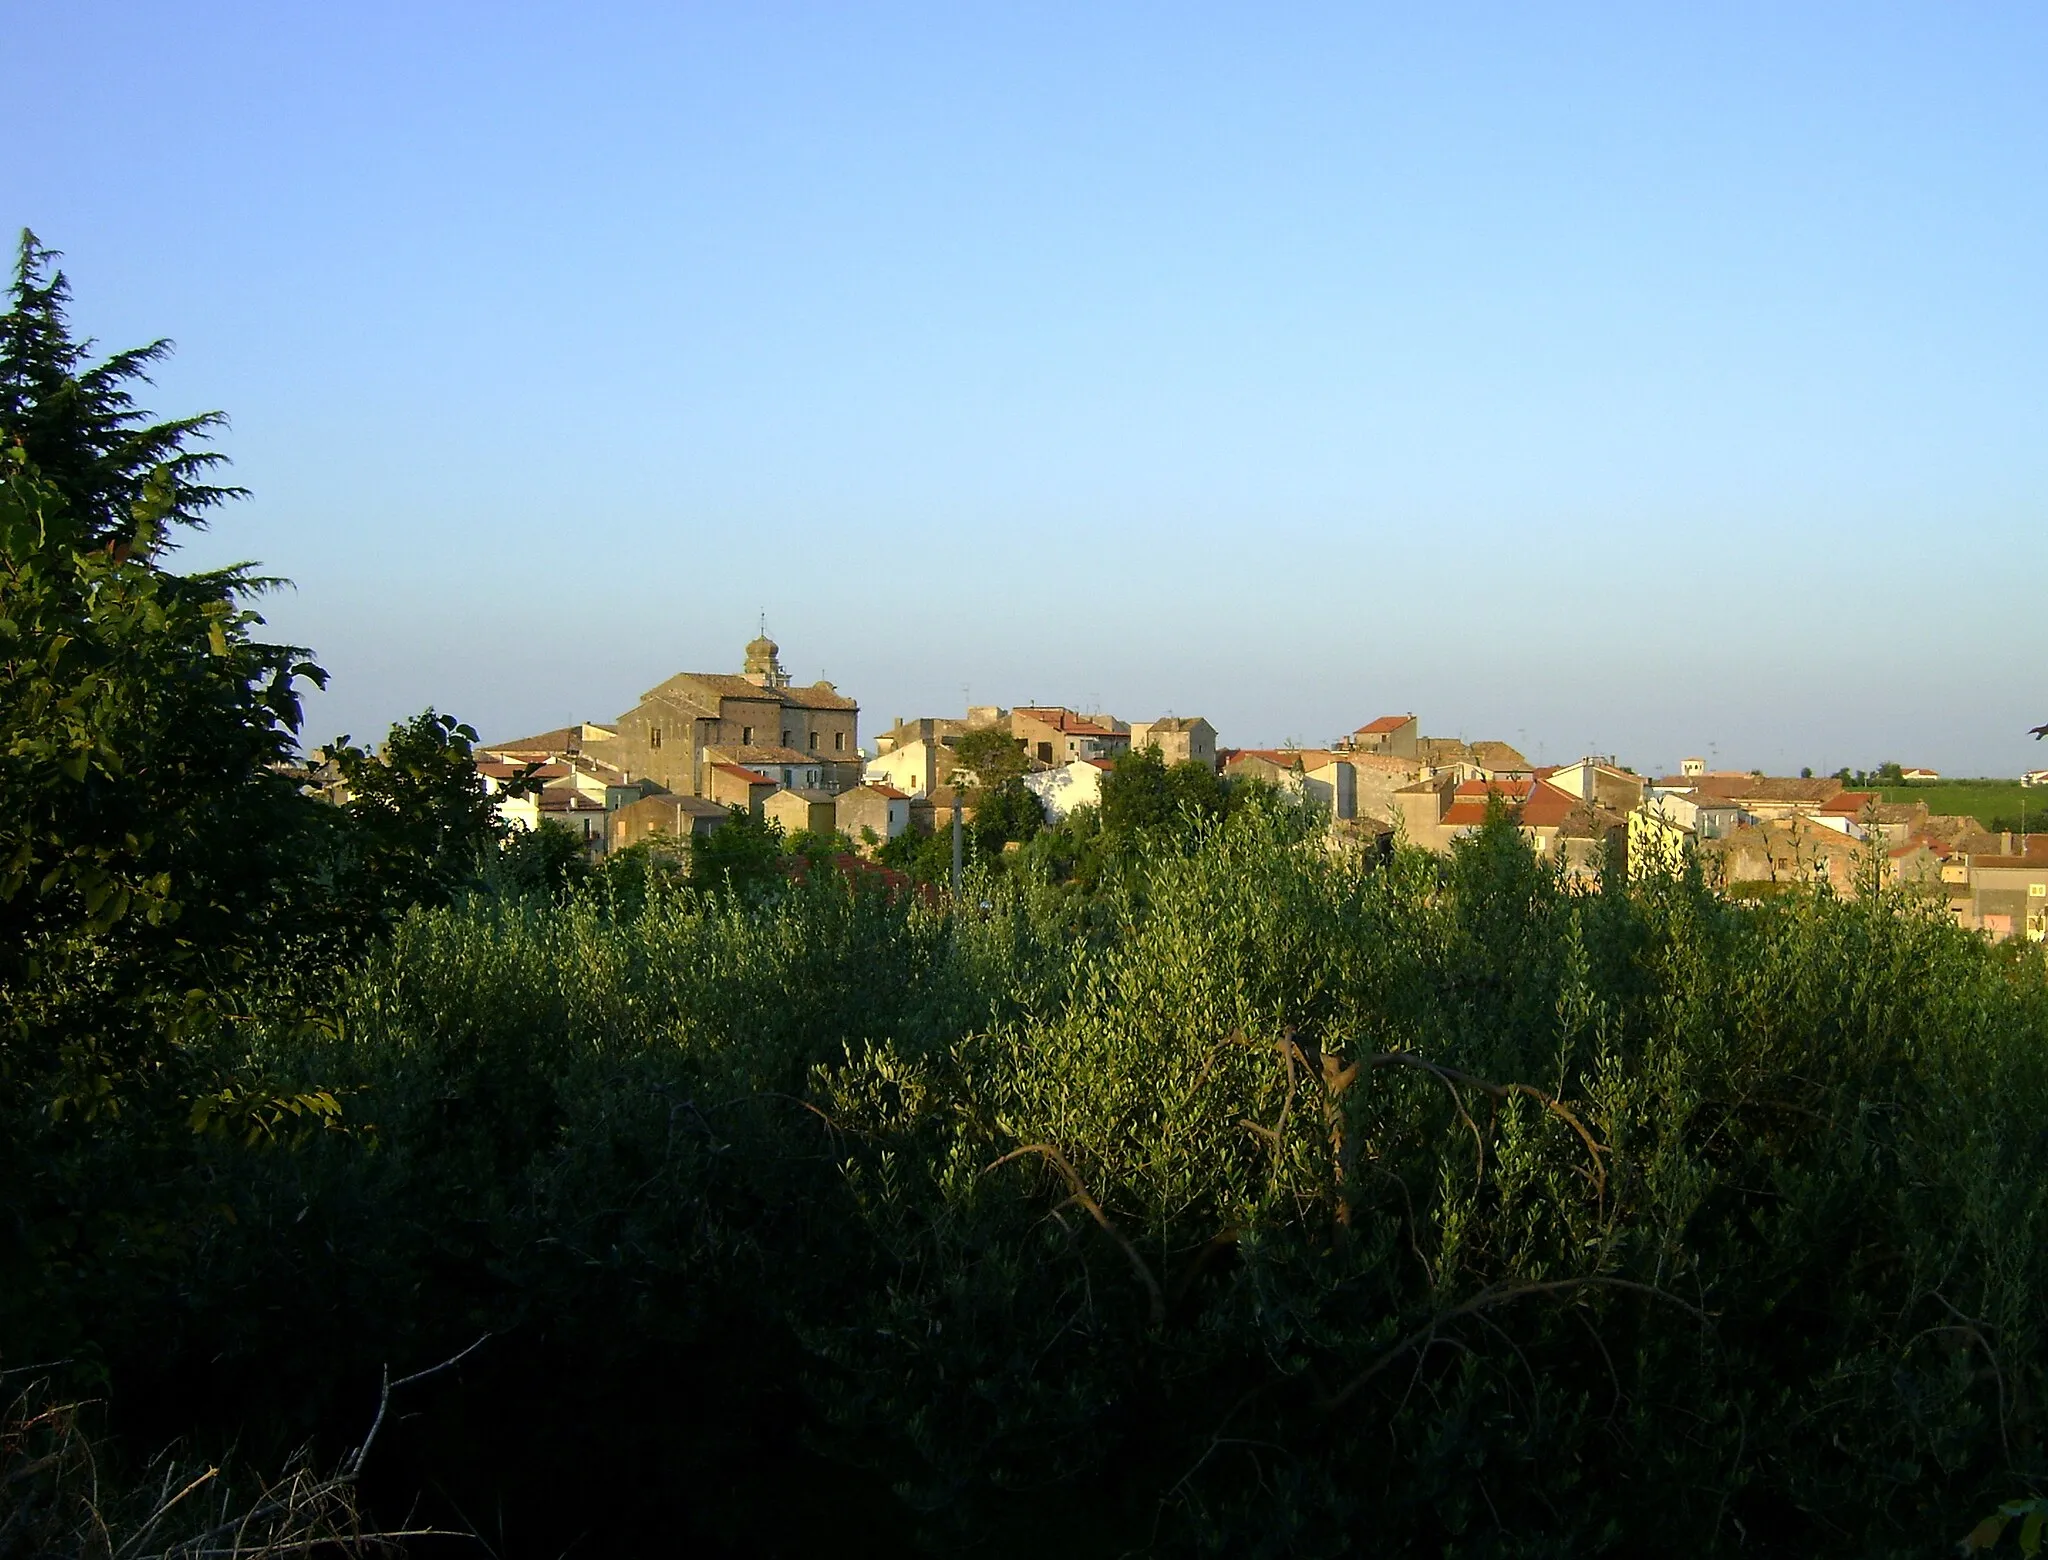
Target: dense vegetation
[2002, 806]
[1184, 1187]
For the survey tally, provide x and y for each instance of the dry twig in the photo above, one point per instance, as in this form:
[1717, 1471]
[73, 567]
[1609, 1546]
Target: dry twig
[1080, 1195]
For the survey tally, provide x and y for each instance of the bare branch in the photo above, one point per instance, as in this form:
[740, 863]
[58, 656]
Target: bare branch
[1501, 1091]
[1080, 1195]
[353, 1466]
[1492, 1295]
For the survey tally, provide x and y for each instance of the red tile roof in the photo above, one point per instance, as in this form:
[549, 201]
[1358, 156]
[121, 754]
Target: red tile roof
[1382, 726]
[1283, 758]
[1065, 721]
[741, 772]
[1539, 804]
[1513, 790]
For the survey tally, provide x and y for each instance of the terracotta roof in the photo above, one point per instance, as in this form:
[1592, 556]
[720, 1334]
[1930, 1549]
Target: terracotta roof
[1383, 763]
[819, 696]
[1538, 804]
[1768, 788]
[696, 806]
[563, 739]
[1309, 759]
[1932, 846]
[1382, 726]
[1066, 722]
[1498, 755]
[741, 772]
[889, 791]
[1849, 804]
[1513, 790]
[726, 685]
[737, 754]
[568, 801]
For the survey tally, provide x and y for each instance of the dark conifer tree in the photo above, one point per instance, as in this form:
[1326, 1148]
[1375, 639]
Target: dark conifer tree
[78, 422]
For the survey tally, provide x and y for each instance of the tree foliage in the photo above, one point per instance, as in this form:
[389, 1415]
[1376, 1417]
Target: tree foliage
[77, 422]
[991, 755]
[151, 840]
[1007, 813]
[425, 828]
[1144, 792]
[742, 857]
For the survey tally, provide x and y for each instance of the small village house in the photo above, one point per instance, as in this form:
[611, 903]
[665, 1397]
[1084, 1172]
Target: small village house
[663, 815]
[1181, 739]
[801, 812]
[871, 815]
[1056, 735]
[1063, 787]
[1390, 736]
[735, 785]
[915, 767]
[2009, 890]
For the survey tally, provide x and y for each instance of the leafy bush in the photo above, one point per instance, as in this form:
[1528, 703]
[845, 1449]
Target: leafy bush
[1295, 1205]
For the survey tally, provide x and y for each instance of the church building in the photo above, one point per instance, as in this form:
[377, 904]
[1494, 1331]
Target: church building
[682, 730]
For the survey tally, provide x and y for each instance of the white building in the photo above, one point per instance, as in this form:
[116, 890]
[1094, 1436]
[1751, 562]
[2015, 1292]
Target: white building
[1067, 786]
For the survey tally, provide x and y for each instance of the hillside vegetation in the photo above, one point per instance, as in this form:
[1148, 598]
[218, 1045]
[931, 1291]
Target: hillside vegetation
[1261, 1202]
[1181, 1187]
[1999, 805]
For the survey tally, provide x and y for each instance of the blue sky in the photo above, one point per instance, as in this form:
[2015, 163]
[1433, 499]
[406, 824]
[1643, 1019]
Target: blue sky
[1643, 380]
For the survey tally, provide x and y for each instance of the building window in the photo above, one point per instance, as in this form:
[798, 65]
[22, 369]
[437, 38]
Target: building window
[654, 736]
[839, 742]
[746, 736]
[814, 742]
[785, 736]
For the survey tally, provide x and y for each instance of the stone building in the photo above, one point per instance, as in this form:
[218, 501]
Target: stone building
[801, 812]
[1181, 739]
[871, 815]
[1056, 735]
[757, 719]
[1394, 736]
[663, 816]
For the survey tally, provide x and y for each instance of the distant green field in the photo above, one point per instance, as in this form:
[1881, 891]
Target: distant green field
[1997, 804]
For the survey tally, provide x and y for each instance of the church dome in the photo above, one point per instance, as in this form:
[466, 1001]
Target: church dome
[762, 666]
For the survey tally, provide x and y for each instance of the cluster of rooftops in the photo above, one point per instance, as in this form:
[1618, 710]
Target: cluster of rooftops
[699, 744]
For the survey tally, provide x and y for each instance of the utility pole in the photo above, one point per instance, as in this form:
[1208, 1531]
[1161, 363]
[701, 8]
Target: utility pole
[957, 837]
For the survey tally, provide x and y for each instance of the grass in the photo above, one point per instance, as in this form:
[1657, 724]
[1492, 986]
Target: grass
[1997, 804]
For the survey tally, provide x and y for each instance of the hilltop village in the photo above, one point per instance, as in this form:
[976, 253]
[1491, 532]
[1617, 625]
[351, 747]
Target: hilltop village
[702, 744]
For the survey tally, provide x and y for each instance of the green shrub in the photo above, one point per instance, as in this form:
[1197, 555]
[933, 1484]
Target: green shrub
[1262, 1200]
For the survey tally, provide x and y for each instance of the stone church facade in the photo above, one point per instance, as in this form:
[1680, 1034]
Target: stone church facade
[682, 729]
